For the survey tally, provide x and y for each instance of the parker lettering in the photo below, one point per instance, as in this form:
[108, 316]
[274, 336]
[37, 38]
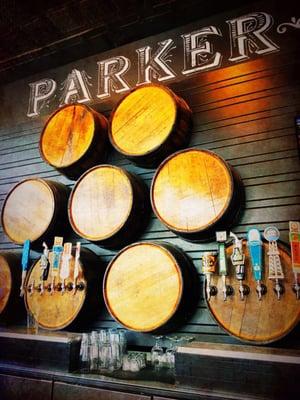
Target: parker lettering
[247, 36]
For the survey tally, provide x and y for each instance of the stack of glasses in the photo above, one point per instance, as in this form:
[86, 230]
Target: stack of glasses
[166, 359]
[102, 350]
[134, 361]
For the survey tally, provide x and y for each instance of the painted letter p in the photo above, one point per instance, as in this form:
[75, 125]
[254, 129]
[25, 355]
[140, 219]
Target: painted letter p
[40, 91]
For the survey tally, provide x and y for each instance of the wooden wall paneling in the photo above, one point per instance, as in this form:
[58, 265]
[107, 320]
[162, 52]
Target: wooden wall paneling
[240, 72]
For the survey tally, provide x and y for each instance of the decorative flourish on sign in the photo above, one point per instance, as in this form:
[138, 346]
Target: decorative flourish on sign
[295, 23]
[248, 37]
[48, 103]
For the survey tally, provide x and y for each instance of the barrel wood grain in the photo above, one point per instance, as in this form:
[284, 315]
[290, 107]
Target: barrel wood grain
[150, 286]
[239, 123]
[101, 202]
[149, 123]
[56, 311]
[252, 320]
[200, 187]
[108, 205]
[32, 209]
[74, 139]
[12, 308]
[6, 282]
[143, 287]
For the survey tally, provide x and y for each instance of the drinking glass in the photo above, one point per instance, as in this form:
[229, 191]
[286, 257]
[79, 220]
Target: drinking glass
[123, 340]
[94, 351]
[105, 356]
[116, 348]
[103, 333]
[141, 357]
[84, 357]
[157, 352]
[171, 351]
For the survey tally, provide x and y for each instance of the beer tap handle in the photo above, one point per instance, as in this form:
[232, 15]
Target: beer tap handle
[56, 260]
[297, 287]
[242, 290]
[271, 234]
[209, 261]
[31, 288]
[238, 261]
[208, 286]
[65, 264]
[76, 266]
[221, 239]
[255, 251]
[294, 236]
[24, 262]
[44, 264]
[235, 238]
[278, 289]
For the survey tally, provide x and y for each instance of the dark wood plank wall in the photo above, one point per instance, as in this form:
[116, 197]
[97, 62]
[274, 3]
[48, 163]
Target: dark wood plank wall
[245, 113]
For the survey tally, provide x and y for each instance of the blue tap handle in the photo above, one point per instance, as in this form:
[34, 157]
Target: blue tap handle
[255, 251]
[25, 255]
[57, 252]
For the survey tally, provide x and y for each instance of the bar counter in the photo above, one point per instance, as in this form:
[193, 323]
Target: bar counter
[37, 367]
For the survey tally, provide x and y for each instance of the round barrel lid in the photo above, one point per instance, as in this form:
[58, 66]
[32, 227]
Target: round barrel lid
[191, 190]
[143, 286]
[28, 210]
[54, 311]
[5, 283]
[67, 135]
[101, 202]
[143, 120]
[251, 320]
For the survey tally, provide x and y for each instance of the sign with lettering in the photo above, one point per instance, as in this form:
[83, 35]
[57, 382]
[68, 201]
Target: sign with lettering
[248, 36]
[165, 58]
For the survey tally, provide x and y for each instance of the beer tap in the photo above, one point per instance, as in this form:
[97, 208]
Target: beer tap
[221, 239]
[294, 236]
[24, 263]
[56, 259]
[271, 234]
[255, 251]
[31, 287]
[76, 266]
[209, 261]
[44, 263]
[65, 264]
[238, 261]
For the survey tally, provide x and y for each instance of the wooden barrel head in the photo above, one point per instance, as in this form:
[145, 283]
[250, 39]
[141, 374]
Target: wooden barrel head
[143, 286]
[12, 309]
[251, 320]
[74, 139]
[28, 210]
[67, 135]
[101, 202]
[143, 120]
[54, 311]
[6, 283]
[191, 191]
